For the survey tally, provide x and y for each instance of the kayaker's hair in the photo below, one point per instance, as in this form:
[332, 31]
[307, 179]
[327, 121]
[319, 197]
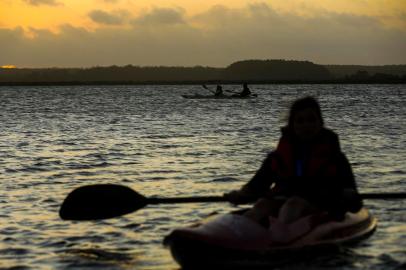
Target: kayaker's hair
[301, 104]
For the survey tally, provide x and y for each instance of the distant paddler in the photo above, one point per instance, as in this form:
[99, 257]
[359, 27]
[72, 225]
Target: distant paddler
[246, 92]
[218, 92]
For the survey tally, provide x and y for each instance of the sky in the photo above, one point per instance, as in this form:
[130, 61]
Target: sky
[87, 33]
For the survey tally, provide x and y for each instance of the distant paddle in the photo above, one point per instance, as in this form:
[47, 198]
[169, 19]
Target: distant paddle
[205, 87]
[104, 201]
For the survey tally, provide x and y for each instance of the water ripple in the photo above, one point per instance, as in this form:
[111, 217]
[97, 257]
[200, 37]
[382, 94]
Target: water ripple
[55, 139]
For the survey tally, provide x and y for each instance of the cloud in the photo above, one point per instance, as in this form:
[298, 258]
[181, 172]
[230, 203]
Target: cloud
[161, 16]
[216, 37]
[103, 17]
[222, 16]
[43, 2]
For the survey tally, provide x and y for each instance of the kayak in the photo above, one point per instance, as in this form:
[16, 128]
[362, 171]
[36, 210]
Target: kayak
[234, 241]
[197, 96]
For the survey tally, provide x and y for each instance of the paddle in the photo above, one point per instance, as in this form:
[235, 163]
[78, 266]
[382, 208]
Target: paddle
[205, 87]
[107, 201]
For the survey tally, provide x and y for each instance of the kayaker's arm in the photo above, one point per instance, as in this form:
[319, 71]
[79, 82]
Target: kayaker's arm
[350, 195]
[257, 187]
[345, 172]
[262, 179]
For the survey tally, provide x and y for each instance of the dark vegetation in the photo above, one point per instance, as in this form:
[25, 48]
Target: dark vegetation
[251, 71]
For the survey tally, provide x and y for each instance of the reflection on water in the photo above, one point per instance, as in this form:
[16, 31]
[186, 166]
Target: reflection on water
[55, 139]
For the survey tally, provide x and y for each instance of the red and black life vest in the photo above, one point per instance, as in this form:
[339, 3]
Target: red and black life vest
[320, 161]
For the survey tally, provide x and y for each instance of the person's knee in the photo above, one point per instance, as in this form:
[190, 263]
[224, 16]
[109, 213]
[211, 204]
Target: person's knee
[295, 208]
[269, 206]
[262, 202]
[296, 203]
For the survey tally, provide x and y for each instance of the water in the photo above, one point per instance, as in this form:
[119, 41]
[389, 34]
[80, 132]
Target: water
[54, 139]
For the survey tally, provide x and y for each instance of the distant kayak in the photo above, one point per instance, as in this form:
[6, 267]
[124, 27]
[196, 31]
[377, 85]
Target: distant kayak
[233, 241]
[197, 96]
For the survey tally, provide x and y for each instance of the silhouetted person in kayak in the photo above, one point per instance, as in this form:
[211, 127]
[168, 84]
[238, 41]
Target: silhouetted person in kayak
[306, 174]
[219, 91]
[245, 91]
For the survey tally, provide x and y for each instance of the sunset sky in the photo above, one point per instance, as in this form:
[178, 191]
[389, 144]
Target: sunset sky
[85, 33]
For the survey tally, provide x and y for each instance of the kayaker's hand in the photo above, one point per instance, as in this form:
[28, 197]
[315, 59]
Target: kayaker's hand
[242, 196]
[352, 199]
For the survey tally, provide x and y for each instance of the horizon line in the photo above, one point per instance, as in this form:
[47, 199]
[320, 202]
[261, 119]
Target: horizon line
[11, 66]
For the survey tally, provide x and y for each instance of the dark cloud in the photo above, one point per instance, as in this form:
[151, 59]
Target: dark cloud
[43, 2]
[217, 37]
[104, 17]
[161, 16]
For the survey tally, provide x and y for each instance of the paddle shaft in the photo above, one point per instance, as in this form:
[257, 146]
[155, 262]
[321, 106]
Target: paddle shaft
[374, 196]
[383, 196]
[205, 87]
[186, 199]
[108, 200]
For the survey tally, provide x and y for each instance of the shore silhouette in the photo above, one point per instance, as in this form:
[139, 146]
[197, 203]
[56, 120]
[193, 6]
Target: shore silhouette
[250, 71]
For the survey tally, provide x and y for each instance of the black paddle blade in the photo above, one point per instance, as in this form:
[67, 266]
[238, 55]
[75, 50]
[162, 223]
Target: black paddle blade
[100, 202]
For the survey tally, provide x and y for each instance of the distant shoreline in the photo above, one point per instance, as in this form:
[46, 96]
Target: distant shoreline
[249, 71]
[401, 81]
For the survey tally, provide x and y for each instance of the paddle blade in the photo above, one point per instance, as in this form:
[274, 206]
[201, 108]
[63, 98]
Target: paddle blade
[100, 202]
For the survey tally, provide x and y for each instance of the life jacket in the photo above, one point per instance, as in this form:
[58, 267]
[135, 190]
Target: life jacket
[320, 160]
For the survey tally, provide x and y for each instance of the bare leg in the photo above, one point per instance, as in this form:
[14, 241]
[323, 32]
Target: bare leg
[295, 208]
[264, 207]
[285, 229]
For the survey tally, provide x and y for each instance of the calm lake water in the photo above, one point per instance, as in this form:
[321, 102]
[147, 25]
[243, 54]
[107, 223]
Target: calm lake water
[54, 139]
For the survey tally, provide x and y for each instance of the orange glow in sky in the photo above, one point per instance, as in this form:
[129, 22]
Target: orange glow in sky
[50, 14]
[79, 33]
[8, 66]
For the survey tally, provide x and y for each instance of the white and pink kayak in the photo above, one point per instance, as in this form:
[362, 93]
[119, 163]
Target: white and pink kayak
[235, 241]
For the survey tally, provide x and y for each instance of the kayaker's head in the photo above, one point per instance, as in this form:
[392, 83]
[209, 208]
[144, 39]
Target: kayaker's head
[305, 119]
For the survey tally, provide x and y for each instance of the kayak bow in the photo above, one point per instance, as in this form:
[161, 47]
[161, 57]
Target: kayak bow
[197, 96]
[234, 241]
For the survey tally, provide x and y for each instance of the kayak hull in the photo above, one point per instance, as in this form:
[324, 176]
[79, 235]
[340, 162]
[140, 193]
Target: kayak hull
[207, 244]
[205, 256]
[197, 96]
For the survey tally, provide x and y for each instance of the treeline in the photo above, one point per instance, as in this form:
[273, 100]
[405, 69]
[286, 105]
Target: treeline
[362, 76]
[275, 70]
[252, 71]
[342, 71]
[126, 74]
